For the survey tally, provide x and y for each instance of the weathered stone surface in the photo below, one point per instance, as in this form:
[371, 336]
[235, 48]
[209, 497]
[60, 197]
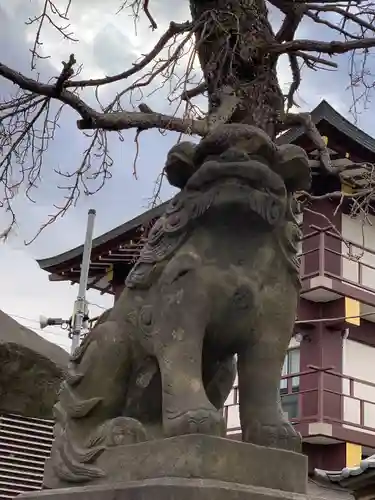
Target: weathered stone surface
[31, 370]
[187, 489]
[202, 457]
[167, 489]
[218, 276]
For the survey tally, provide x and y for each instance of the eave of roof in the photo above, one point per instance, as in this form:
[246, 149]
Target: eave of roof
[325, 111]
[350, 477]
[117, 232]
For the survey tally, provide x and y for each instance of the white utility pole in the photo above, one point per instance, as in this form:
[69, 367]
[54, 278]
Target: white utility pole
[80, 305]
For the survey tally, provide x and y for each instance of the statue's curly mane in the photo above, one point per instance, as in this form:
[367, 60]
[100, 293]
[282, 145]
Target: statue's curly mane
[173, 228]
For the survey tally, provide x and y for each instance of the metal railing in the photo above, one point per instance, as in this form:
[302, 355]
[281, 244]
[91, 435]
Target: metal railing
[319, 395]
[325, 253]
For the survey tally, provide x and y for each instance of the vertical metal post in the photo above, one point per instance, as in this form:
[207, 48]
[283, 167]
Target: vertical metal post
[321, 395]
[80, 306]
[322, 251]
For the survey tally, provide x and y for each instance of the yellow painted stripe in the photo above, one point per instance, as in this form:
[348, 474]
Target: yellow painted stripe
[346, 188]
[352, 308]
[110, 273]
[353, 454]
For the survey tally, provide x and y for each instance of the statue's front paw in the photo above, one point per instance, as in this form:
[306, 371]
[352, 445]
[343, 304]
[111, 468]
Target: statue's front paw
[280, 435]
[200, 421]
[124, 430]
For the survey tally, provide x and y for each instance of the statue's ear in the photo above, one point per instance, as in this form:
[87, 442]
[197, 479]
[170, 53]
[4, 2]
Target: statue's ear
[293, 166]
[180, 166]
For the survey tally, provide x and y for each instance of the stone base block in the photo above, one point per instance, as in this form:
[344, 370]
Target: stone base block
[200, 457]
[167, 489]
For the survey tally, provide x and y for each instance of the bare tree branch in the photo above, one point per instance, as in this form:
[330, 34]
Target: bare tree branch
[173, 30]
[344, 13]
[331, 48]
[198, 90]
[305, 120]
[127, 119]
[237, 50]
[311, 61]
[92, 119]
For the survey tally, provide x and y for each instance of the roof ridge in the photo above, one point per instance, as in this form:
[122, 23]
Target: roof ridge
[325, 104]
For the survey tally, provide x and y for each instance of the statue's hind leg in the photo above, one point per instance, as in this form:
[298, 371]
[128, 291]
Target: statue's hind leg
[259, 371]
[91, 397]
[180, 317]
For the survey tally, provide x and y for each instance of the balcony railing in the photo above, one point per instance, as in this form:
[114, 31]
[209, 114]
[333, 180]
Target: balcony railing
[319, 395]
[325, 253]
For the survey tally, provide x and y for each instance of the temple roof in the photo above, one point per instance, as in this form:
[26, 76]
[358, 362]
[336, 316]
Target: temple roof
[121, 245]
[351, 478]
[108, 237]
[325, 112]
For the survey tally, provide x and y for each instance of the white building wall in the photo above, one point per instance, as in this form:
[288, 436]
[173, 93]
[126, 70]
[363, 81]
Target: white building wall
[361, 232]
[359, 363]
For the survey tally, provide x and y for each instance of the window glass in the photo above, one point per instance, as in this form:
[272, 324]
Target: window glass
[294, 366]
[291, 365]
[289, 405]
[283, 383]
[293, 361]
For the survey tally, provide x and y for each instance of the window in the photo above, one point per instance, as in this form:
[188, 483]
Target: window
[289, 404]
[289, 401]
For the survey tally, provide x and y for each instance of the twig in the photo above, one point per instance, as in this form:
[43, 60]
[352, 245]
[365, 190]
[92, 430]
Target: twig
[66, 73]
[149, 16]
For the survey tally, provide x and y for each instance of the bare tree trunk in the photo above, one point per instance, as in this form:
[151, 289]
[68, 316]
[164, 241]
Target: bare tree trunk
[229, 36]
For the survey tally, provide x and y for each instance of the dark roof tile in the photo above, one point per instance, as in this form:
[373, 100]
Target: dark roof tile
[366, 465]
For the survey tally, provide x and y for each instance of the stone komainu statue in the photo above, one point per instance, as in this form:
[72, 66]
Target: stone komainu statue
[218, 277]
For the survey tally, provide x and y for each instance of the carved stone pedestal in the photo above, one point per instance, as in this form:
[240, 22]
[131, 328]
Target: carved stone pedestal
[194, 467]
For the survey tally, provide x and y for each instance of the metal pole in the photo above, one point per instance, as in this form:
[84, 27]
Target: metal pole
[80, 306]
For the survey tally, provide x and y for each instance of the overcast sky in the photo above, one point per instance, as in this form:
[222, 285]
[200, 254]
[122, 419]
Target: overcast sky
[108, 44]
